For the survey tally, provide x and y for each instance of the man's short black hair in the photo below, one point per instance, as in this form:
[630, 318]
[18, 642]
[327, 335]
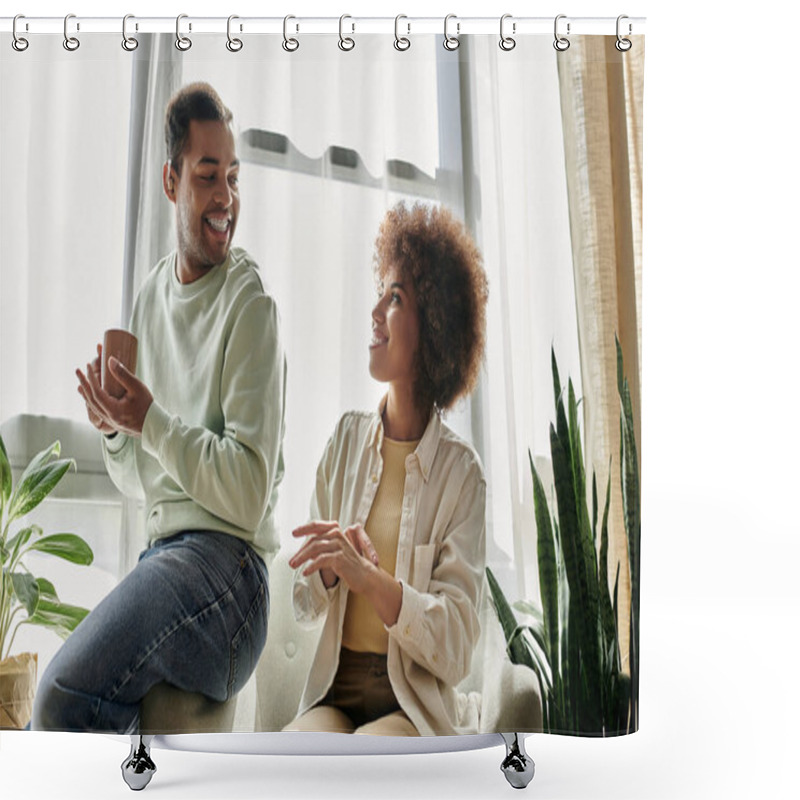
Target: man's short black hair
[198, 101]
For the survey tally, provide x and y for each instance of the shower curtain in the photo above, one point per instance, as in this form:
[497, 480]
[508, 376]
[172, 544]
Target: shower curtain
[536, 149]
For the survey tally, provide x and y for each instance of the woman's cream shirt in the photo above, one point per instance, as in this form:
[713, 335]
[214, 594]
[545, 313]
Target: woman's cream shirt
[440, 563]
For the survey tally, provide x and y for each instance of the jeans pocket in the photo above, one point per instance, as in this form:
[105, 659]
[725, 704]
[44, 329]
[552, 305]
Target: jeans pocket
[248, 642]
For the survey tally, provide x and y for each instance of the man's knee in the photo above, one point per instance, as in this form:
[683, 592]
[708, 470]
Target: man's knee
[57, 707]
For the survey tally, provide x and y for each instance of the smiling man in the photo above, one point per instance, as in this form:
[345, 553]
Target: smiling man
[198, 433]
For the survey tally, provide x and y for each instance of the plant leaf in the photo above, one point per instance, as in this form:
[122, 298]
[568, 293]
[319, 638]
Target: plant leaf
[46, 590]
[5, 478]
[556, 380]
[26, 590]
[606, 609]
[522, 652]
[37, 482]
[67, 546]
[631, 505]
[19, 540]
[548, 570]
[508, 621]
[526, 607]
[58, 617]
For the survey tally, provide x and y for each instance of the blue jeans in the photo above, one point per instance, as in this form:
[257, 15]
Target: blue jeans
[192, 613]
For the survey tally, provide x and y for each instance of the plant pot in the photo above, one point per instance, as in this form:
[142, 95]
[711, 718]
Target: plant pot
[17, 687]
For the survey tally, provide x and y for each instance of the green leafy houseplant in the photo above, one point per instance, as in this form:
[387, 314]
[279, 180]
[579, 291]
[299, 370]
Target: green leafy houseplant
[25, 599]
[572, 644]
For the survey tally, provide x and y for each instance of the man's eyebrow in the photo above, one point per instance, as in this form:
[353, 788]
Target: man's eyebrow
[215, 161]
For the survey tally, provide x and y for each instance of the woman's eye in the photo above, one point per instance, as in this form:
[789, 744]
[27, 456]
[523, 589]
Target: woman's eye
[395, 297]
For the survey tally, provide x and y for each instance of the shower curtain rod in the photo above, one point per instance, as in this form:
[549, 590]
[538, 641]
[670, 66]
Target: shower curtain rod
[408, 26]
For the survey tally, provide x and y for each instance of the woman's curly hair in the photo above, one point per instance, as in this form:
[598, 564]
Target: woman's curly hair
[436, 254]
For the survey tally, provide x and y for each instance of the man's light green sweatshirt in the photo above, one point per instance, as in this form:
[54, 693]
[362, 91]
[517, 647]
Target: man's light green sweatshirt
[210, 456]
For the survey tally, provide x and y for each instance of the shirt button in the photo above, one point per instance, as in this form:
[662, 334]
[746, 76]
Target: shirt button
[374, 478]
[435, 658]
[290, 649]
[407, 631]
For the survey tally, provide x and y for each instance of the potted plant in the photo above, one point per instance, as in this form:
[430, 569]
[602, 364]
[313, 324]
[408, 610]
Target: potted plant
[572, 644]
[25, 599]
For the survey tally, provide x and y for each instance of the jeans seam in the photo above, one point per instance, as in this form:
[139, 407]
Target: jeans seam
[255, 607]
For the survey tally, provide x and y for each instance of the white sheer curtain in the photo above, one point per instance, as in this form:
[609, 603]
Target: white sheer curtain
[63, 163]
[521, 219]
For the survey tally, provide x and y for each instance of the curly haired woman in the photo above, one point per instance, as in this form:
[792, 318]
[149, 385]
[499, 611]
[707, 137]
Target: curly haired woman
[394, 560]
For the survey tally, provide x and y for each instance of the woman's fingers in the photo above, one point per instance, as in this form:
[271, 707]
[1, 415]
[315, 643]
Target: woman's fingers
[312, 548]
[315, 528]
[321, 562]
[362, 543]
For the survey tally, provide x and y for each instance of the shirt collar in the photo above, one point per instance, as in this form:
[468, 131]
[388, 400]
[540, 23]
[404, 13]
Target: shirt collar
[428, 444]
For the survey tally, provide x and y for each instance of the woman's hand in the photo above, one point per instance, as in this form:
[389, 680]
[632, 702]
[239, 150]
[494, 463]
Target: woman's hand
[335, 553]
[350, 555]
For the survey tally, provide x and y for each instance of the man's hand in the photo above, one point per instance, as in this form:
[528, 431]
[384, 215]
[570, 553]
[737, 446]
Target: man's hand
[109, 414]
[335, 553]
[95, 417]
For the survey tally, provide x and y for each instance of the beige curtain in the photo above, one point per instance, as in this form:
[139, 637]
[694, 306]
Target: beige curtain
[601, 107]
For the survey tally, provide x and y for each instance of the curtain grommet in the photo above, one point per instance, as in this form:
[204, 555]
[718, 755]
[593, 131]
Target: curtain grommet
[622, 44]
[346, 43]
[561, 43]
[401, 43]
[507, 43]
[182, 43]
[451, 42]
[129, 43]
[71, 43]
[233, 44]
[289, 44]
[19, 43]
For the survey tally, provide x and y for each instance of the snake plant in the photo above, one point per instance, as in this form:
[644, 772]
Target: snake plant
[25, 599]
[572, 643]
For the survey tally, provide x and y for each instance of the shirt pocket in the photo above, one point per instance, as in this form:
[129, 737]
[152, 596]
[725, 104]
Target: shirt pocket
[423, 566]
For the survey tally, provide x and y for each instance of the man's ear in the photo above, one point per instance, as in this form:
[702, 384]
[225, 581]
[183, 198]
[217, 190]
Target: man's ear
[168, 179]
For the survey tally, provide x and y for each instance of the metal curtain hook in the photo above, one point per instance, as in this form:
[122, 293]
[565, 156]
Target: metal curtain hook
[71, 43]
[401, 42]
[450, 42]
[289, 44]
[183, 43]
[19, 43]
[233, 44]
[560, 43]
[129, 43]
[622, 44]
[507, 42]
[345, 42]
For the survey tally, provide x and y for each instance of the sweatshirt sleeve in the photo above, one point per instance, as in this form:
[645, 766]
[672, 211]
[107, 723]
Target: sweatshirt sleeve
[118, 454]
[232, 475]
[439, 628]
[310, 597]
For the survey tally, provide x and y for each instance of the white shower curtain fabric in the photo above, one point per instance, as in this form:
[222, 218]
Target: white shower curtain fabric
[329, 141]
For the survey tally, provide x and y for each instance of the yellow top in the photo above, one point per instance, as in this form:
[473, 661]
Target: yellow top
[363, 629]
